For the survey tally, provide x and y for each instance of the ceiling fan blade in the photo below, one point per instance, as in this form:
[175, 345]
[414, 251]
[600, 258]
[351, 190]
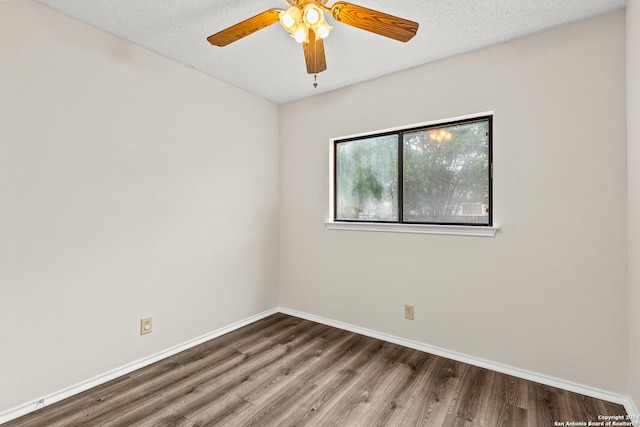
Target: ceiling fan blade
[314, 54]
[244, 28]
[374, 21]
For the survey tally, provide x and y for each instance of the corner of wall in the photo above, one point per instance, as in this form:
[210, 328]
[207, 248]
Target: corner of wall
[633, 194]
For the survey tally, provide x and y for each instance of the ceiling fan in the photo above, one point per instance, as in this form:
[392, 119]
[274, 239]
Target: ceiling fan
[306, 23]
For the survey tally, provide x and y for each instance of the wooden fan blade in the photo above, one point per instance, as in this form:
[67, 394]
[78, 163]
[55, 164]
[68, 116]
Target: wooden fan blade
[374, 21]
[244, 28]
[314, 54]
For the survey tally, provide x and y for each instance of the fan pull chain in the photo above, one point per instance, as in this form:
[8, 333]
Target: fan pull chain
[315, 80]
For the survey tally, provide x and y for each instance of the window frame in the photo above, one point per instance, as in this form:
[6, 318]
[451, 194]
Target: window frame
[474, 229]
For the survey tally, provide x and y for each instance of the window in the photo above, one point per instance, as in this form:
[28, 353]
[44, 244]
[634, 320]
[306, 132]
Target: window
[437, 174]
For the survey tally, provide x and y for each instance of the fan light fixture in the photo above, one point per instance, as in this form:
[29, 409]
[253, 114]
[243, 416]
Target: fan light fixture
[304, 20]
[312, 15]
[290, 18]
[298, 22]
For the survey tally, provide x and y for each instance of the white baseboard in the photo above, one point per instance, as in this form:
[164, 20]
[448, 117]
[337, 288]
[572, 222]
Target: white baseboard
[632, 410]
[101, 379]
[21, 410]
[498, 367]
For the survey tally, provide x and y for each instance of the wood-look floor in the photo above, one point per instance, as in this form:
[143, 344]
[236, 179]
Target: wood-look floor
[285, 371]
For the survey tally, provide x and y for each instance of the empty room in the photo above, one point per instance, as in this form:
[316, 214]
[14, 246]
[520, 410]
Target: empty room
[319, 213]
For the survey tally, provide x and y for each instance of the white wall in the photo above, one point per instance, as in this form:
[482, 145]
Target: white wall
[633, 182]
[130, 186]
[547, 294]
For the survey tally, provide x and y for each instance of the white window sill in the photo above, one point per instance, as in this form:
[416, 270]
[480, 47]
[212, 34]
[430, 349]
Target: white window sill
[456, 230]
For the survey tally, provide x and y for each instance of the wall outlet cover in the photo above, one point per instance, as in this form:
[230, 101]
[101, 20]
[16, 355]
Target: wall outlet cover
[146, 325]
[408, 312]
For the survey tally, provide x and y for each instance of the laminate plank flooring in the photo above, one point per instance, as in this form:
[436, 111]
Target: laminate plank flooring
[285, 371]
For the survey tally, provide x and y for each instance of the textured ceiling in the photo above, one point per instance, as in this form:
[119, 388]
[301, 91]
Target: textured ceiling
[271, 64]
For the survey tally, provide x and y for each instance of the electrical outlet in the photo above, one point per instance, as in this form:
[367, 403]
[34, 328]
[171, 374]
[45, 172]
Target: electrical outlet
[408, 312]
[146, 325]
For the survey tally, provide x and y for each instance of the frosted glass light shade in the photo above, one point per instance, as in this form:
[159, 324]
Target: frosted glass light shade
[290, 19]
[312, 15]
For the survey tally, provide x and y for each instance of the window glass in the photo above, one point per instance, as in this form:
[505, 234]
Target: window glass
[432, 174]
[445, 174]
[367, 179]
